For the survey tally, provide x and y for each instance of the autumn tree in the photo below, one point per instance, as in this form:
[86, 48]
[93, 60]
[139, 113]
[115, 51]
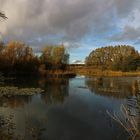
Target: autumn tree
[3, 61]
[47, 56]
[17, 57]
[55, 57]
[2, 46]
[121, 57]
[60, 57]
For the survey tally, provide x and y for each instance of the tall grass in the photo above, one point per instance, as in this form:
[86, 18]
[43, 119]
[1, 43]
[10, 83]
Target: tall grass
[98, 72]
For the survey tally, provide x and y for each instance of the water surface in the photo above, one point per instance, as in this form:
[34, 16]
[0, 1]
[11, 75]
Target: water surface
[69, 109]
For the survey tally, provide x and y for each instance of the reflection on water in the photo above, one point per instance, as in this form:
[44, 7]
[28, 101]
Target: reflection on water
[55, 89]
[118, 87]
[14, 102]
[121, 87]
[69, 109]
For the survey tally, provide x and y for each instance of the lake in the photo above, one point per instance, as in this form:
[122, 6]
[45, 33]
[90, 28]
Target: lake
[69, 109]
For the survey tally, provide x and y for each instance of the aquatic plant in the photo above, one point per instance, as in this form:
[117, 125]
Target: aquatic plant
[13, 91]
[127, 121]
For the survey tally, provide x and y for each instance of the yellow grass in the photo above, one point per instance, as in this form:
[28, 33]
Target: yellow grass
[97, 72]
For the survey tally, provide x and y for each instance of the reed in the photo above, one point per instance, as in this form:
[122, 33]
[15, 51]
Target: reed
[128, 122]
[98, 72]
[9, 91]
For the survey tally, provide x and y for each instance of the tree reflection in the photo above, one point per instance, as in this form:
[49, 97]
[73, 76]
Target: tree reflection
[15, 101]
[127, 88]
[7, 128]
[56, 89]
[118, 87]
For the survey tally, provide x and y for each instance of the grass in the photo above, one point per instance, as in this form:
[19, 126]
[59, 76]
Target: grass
[128, 122]
[97, 72]
[59, 73]
[14, 91]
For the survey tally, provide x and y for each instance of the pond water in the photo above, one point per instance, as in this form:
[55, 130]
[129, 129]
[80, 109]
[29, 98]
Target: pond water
[68, 109]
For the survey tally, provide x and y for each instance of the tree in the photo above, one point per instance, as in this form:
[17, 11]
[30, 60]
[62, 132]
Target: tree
[17, 57]
[120, 57]
[17, 51]
[58, 57]
[46, 56]
[55, 57]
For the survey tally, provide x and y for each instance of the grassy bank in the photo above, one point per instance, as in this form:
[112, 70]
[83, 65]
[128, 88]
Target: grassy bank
[97, 72]
[57, 73]
[9, 91]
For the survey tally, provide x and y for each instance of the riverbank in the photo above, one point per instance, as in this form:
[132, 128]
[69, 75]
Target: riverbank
[73, 71]
[9, 91]
[57, 74]
[97, 72]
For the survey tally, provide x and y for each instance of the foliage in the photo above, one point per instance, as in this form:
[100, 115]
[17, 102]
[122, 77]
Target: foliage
[121, 57]
[17, 57]
[14, 91]
[55, 57]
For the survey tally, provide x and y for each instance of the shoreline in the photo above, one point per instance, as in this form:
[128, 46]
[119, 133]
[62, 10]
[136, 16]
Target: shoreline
[73, 72]
[107, 73]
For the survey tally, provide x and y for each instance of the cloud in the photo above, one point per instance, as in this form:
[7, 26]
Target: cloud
[44, 21]
[128, 33]
[78, 62]
[129, 27]
[125, 7]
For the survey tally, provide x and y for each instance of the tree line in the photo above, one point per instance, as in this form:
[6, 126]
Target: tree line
[19, 58]
[120, 57]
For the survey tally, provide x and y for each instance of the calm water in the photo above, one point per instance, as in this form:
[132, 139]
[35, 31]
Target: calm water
[69, 109]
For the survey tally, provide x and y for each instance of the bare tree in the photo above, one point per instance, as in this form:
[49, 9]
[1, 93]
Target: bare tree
[2, 15]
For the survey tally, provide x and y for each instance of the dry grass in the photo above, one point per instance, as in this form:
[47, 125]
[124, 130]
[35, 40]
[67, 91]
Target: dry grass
[128, 122]
[97, 72]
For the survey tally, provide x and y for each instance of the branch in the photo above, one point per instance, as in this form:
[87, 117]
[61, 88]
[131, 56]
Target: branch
[2, 15]
[129, 125]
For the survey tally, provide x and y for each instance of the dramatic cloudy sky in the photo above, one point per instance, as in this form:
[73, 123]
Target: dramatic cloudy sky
[82, 25]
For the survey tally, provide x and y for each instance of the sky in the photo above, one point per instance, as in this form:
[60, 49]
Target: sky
[81, 25]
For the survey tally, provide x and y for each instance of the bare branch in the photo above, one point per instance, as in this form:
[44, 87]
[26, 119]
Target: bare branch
[2, 15]
[128, 122]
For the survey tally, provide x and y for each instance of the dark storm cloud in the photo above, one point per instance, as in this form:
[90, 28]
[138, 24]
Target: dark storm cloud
[128, 33]
[39, 21]
[124, 7]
